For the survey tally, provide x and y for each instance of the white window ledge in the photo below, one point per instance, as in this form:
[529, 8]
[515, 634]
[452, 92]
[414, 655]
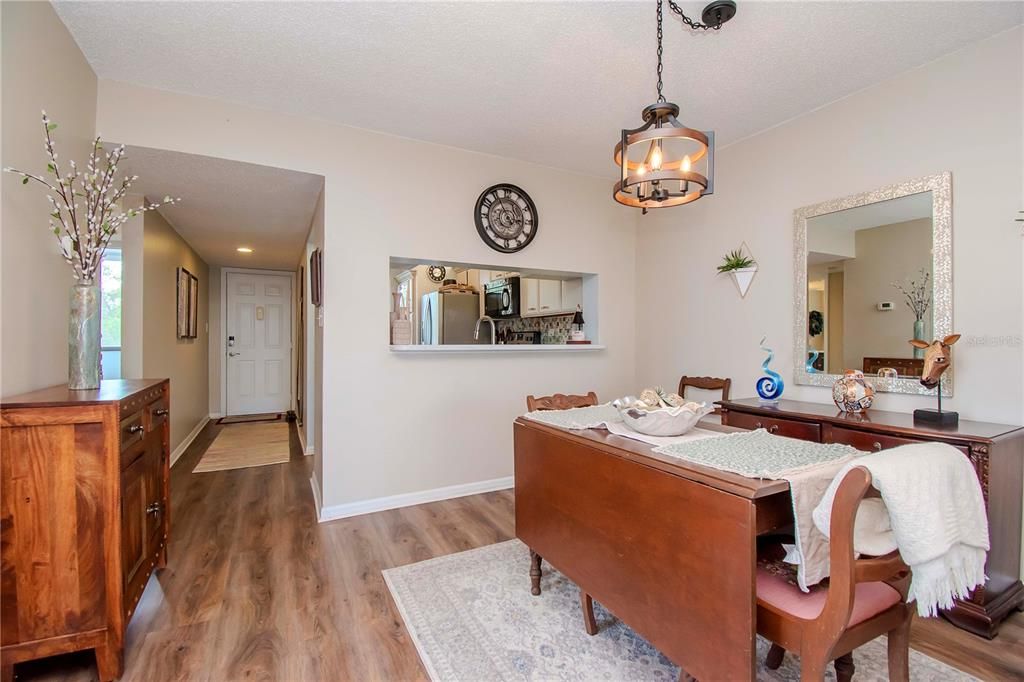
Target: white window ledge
[499, 348]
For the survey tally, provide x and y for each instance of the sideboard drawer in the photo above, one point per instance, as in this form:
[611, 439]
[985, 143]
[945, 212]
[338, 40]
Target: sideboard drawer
[157, 413]
[873, 442]
[131, 430]
[790, 428]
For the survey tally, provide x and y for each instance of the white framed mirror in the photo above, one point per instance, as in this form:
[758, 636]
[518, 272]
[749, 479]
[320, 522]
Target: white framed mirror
[874, 270]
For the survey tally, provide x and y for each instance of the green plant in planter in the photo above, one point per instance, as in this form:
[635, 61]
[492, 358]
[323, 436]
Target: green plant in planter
[735, 260]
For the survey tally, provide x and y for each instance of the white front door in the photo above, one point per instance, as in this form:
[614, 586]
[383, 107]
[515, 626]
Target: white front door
[259, 343]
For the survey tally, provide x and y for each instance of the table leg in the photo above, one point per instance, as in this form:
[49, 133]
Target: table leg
[588, 613]
[535, 560]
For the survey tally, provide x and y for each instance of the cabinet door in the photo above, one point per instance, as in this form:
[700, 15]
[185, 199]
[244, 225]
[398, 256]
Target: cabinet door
[141, 518]
[572, 294]
[529, 291]
[550, 296]
[134, 533]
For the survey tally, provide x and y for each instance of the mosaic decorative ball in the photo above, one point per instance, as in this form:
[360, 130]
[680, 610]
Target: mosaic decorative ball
[852, 393]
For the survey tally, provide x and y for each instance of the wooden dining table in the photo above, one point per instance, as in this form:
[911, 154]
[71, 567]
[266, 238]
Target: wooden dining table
[667, 546]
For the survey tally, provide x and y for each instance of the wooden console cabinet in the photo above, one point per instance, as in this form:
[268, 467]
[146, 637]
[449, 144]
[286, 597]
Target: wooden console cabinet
[995, 450]
[83, 515]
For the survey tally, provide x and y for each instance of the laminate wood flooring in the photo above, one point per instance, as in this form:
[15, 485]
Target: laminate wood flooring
[256, 589]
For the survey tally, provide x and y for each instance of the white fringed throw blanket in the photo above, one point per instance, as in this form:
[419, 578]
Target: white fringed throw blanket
[937, 515]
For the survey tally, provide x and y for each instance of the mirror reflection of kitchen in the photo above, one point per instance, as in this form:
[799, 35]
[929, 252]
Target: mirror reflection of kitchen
[445, 304]
[869, 287]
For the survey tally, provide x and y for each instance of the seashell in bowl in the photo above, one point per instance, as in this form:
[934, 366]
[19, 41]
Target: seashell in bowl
[666, 421]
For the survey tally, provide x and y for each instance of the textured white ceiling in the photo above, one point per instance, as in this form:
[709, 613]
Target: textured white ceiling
[227, 204]
[549, 82]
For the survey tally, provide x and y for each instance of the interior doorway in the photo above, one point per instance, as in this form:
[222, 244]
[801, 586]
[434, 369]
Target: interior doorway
[257, 342]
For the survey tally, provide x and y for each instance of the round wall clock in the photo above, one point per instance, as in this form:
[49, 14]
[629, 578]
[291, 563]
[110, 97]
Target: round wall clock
[436, 273]
[506, 218]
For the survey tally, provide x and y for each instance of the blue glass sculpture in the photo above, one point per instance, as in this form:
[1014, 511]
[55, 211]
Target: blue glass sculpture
[770, 386]
[811, 369]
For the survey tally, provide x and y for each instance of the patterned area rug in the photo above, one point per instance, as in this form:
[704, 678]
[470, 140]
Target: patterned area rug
[473, 619]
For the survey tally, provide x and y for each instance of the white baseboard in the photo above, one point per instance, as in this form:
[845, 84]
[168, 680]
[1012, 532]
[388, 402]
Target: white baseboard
[341, 511]
[183, 445]
[216, 415]
[315, 485]
[301, 433]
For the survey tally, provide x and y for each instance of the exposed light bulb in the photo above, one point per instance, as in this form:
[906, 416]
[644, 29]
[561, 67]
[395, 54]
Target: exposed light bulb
[686, 163]
[656, 158]
[642, 169]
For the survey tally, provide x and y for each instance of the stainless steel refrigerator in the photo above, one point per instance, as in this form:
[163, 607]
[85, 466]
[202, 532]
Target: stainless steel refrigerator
[450, 318]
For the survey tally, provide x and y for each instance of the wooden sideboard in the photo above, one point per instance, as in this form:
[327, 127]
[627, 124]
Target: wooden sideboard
[995, 450]
[83, 515]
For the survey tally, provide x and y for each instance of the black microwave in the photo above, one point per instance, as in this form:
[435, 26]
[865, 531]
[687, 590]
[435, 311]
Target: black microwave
[501, 298]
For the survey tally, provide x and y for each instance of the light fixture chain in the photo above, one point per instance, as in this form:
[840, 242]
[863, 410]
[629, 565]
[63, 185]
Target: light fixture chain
[661, 97]
[687, 20]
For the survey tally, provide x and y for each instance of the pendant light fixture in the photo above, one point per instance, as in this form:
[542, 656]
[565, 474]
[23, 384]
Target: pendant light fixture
[666, 155]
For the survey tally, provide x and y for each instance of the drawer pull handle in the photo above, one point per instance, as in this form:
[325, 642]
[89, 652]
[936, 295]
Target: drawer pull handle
[153, 508]
[758, 425]
[162, 412]
[877, 446]
[774, 428]
[135, 428]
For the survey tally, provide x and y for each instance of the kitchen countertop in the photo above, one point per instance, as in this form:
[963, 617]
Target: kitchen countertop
[499, 348]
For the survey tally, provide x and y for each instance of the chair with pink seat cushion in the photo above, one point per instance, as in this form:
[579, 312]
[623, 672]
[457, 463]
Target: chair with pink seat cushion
[864, 599]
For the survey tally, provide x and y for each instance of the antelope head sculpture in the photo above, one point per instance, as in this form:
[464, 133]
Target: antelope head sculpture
[938, 357]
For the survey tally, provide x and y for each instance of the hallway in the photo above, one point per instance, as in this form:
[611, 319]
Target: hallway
[255, 589]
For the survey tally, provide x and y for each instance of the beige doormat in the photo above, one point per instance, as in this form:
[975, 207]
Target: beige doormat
[249, 418]
[247, 445]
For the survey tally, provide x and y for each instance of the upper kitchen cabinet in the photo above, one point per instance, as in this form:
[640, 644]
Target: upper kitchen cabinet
[542, 297]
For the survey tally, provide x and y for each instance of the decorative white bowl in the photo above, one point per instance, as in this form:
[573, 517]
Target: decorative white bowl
[667, 421]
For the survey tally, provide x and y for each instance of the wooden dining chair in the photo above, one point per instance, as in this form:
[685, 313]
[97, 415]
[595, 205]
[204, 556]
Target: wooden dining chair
[559, 401]
[708, 384]
[864, 598]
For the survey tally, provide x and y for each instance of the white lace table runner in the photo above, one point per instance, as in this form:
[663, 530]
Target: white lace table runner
[757, 454]
[577, 418]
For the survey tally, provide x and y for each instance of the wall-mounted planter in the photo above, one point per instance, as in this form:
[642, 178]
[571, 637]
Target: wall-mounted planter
[743, 277]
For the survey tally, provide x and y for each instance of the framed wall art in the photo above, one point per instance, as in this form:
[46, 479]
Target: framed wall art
[184, 281]
[187, 311]
[316, 264]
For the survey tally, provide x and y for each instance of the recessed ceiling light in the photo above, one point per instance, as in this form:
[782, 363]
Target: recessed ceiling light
[244, 249]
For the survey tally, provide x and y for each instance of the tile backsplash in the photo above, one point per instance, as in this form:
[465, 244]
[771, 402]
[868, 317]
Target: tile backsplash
[553, 329]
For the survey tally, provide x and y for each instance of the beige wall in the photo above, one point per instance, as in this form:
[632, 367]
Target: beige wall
[313, 423]
[885, 254]
[368, 454]
[42, 68]
[882, 135]
[184, 361]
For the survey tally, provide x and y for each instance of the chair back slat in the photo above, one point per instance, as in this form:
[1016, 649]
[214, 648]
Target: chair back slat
[706, 384]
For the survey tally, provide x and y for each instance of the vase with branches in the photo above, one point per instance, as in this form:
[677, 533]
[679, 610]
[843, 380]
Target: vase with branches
[917, 294]
[85, 214]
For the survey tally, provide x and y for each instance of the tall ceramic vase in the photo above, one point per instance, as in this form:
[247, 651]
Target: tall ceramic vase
[84, 337]
[919, 334]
